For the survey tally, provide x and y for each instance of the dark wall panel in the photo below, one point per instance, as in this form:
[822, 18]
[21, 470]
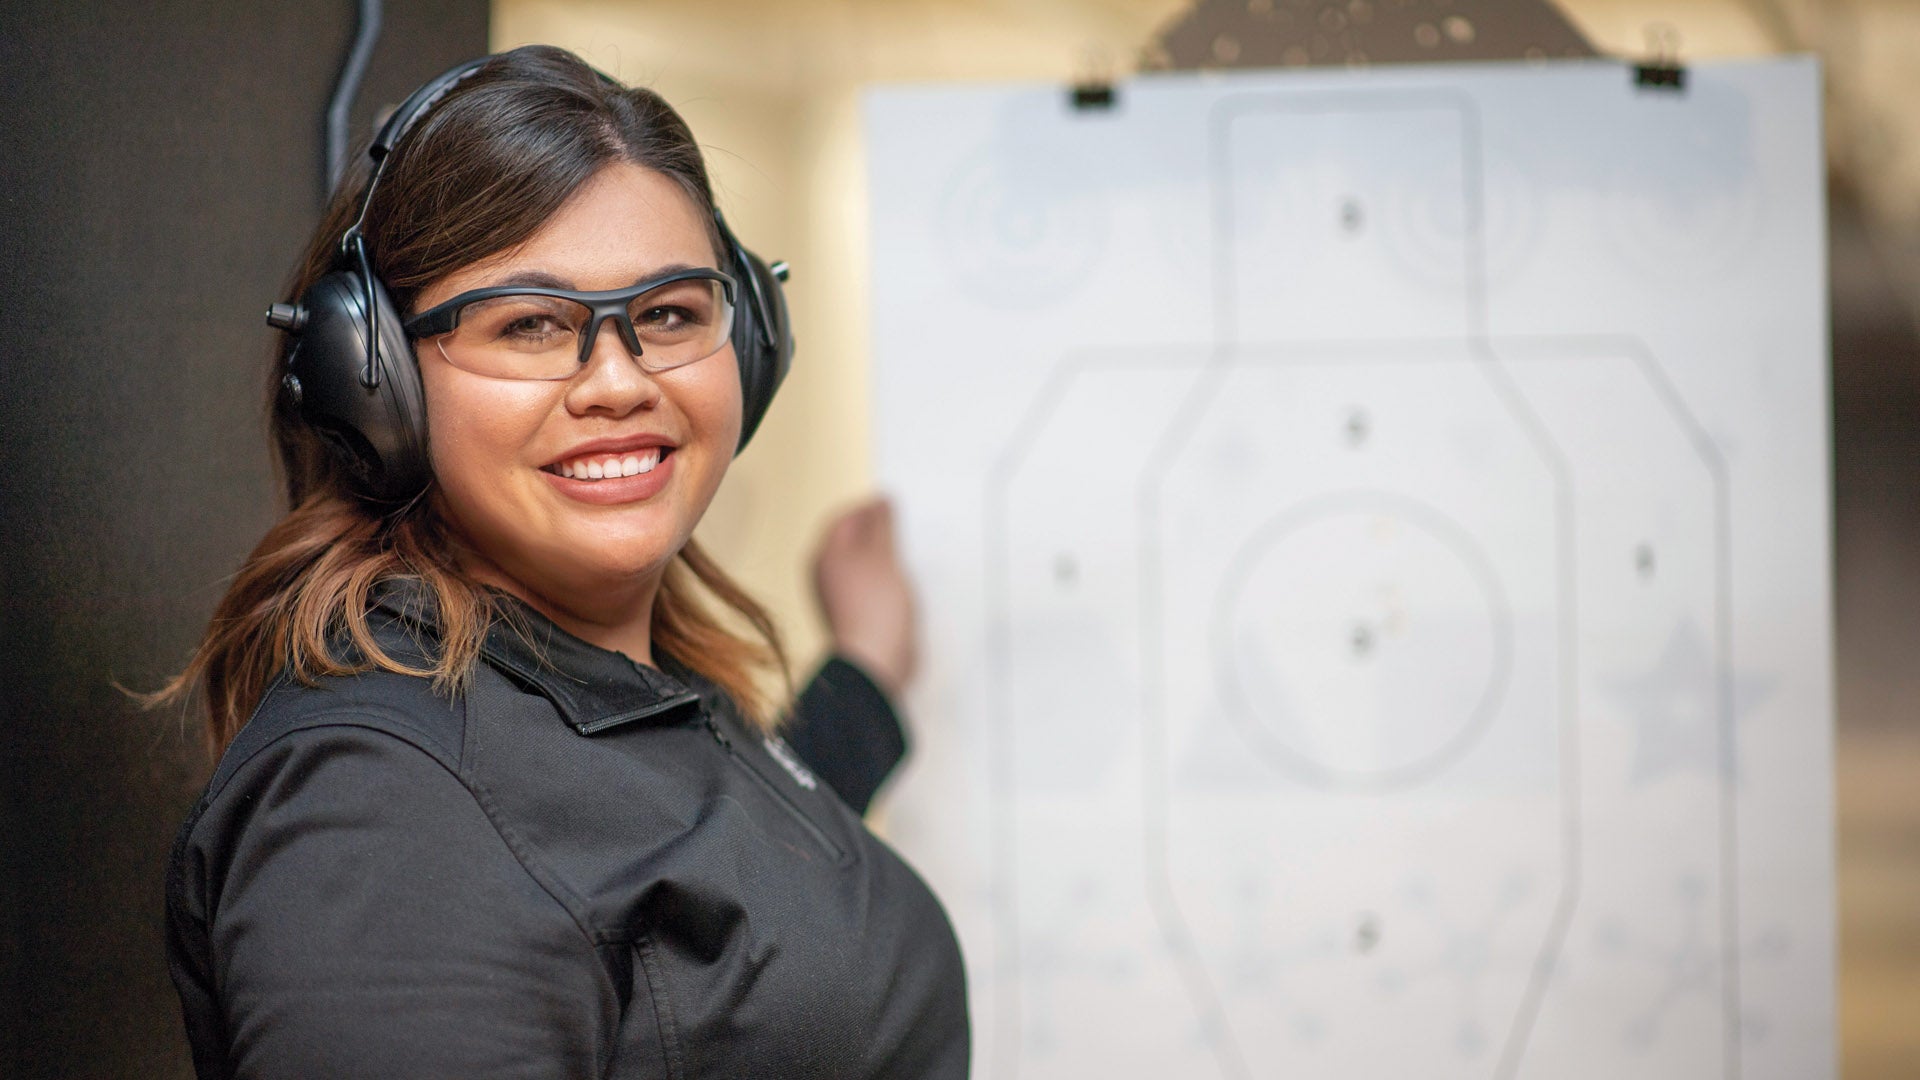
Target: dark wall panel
[159, 171]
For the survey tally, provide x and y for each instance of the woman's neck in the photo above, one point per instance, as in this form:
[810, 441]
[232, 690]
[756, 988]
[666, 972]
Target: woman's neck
[617, 617]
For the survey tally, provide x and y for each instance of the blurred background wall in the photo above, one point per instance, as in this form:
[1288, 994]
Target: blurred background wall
[162, 167]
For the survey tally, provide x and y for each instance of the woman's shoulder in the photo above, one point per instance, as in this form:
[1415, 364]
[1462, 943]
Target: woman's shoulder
[390, 703]
[379, 694]
[376, 745]
[375, 729]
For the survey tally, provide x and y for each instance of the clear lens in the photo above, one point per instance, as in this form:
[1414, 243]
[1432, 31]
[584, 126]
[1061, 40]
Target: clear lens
[527, 336]
[680, 322]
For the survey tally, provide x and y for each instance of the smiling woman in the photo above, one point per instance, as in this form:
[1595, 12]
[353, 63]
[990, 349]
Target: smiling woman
[499, 793]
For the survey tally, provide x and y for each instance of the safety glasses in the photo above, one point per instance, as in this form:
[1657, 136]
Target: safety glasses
[525, 332]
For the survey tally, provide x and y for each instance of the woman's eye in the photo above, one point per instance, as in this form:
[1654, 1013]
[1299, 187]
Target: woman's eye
[521, 324]
[671, 319]
[665, 317]
[677, 309]
[534, 326]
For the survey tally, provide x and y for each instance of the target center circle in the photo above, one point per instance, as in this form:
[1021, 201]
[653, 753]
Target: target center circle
[1363, 645]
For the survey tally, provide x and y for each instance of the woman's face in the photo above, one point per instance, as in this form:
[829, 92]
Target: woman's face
[585, 550]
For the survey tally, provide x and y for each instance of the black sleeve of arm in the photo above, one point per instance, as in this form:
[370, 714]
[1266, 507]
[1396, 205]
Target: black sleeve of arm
[363, 918]
[845, 729]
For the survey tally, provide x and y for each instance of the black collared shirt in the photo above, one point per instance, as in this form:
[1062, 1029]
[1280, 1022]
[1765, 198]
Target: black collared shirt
[580, 867]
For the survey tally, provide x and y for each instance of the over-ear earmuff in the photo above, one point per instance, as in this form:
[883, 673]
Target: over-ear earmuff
[351, 373]
[762, 335]
[377, 428]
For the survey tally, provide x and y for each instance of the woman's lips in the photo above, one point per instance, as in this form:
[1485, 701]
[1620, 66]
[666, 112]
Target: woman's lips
[633, 476]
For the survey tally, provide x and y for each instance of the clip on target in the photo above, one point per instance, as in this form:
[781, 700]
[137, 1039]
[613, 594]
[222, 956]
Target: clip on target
[1662, 70]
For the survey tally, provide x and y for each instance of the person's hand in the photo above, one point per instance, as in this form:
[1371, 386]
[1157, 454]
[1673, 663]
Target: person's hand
[865, 596]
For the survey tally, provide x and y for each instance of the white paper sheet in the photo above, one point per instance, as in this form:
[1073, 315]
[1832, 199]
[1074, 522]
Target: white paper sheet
[1374, 541]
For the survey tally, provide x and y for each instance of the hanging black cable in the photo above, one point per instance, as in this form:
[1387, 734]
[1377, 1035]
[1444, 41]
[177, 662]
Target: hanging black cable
[355, 69]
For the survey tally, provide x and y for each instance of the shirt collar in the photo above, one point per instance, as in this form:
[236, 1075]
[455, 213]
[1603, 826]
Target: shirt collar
[594, 689]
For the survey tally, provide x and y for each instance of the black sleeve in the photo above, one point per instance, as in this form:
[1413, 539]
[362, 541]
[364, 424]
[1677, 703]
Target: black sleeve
[845, 729]
[363, 918]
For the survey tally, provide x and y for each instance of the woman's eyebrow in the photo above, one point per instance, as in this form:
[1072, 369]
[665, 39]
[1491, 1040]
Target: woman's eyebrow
[534, 279]
[541, 279]
[668, 270]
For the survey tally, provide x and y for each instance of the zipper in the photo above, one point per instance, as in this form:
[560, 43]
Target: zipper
[813, 829]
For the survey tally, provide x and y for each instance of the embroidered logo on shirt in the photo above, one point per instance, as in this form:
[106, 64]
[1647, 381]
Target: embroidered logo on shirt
[784, 754]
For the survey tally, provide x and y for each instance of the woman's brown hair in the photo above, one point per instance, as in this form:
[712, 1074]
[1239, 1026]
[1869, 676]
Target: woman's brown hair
[481, 172]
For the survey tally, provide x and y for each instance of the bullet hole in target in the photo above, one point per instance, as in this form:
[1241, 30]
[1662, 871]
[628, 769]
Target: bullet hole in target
[1366, 932]
[1359, 426]
[1362, 641]
[1353, 216]
[1066, 569]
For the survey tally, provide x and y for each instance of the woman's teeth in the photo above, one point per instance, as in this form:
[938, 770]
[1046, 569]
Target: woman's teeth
[609, 466]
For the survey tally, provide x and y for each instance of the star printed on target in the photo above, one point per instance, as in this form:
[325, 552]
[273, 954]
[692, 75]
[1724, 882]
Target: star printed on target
[1675, 708]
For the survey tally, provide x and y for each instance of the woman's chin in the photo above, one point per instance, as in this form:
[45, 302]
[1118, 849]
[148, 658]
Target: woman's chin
[609, 586]
[607, 581]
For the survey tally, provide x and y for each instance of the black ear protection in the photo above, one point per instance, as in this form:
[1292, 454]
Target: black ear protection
[351, 373]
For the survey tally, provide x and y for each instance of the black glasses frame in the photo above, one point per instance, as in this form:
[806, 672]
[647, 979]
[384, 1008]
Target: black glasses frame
[611, 304]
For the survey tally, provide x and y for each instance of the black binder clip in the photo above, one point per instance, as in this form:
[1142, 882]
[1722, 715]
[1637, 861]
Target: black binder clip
[1093, 89]
[1662, 70]
[1092, 95]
